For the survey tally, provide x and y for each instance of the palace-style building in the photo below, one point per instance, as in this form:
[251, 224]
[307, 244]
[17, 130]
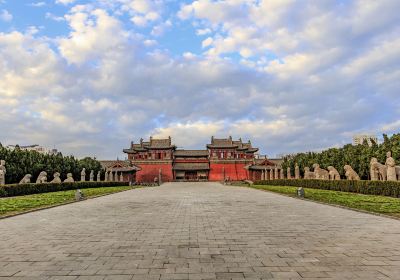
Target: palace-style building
[223, 159]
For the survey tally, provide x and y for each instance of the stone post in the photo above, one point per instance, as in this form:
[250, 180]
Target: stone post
[288, 175]
[282, 175]
[121, 177]
[296, 172]
[276, 173]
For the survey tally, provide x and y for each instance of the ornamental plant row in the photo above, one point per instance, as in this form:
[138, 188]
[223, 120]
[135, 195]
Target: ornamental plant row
[385, 188]
[25, 189]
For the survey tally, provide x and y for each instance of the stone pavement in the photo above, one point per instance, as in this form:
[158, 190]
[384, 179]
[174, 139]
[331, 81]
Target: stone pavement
[198, 231]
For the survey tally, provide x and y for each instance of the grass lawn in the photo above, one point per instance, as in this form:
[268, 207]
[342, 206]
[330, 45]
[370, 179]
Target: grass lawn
[372, 203]
[17, 204]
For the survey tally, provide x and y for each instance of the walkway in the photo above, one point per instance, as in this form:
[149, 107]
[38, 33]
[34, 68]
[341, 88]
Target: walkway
[198, 231]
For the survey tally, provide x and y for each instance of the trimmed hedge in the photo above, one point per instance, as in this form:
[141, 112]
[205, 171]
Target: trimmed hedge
[25, 189]
[385, 188]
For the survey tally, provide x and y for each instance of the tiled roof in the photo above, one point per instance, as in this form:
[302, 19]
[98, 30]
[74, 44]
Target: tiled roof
[191, 153]
[160, 143]
[118, 165]
[191, 166]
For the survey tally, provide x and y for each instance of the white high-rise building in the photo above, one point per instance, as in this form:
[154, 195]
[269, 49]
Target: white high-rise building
[37, 148]
[359, 139]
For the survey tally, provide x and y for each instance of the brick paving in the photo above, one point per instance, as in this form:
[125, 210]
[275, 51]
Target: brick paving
[198, 231]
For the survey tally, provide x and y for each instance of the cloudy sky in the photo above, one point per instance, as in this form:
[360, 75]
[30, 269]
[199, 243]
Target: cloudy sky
[87, 77]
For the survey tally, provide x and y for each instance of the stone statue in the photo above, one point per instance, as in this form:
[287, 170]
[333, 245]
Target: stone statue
[26, 179]
[4, 172]
[121, 177]
[91, 176]
[2, 178]
[288, 175]
[350, 173]
[111, 176]
[282, 174]
[98, 176]
[378, 171]
[308, 174]
[391, 167]
[42, 178]
[296, 171]
[333, 173]
[320, 173]
[398, 172]
[56, 178]
[69, 179]
[83, 175]
[276, 173]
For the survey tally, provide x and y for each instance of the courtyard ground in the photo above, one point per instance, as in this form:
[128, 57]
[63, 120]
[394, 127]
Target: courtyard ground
[198, 231]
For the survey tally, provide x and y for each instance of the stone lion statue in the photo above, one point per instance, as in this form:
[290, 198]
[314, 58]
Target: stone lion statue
[320, 173]
[333, 173]
[42, 178]
[350, 173]
[69, 179]
[308, 174]
[378, 171]
[26, 179]
[56, 178]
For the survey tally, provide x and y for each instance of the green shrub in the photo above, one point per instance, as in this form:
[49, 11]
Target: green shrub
[385, 188]
[25, 189]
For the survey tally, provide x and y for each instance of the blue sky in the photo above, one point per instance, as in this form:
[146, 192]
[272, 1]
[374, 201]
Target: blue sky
[90, 76]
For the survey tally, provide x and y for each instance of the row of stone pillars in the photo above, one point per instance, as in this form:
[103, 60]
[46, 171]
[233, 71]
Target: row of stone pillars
[272, 174]
[111, 177]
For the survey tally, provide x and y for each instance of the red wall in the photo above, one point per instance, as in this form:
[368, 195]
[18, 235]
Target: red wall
[151, 171]
[235, 171]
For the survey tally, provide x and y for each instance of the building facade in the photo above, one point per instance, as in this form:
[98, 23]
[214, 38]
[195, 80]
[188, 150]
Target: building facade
[360, 138]
[224, 159]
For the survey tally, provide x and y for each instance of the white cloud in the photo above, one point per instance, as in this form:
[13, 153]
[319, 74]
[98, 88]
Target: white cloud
[54, 17]
[5, 16]
[94, 34]
[65, 2]
[38, 4]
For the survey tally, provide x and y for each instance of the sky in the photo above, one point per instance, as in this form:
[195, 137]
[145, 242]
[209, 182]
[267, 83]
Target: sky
[88, 77]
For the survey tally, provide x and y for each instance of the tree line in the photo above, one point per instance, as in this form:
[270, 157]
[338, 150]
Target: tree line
[21, 162]
[357, 156]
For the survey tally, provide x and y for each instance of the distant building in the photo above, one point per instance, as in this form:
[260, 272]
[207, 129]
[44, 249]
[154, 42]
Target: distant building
[223, 159]
[37, 148]
[359, 139]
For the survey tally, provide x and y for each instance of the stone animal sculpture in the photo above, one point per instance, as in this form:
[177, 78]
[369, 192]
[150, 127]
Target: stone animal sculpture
[26, 179]
[320, 173]
[333, 173]
[42, 178]
[391, 167]
[69, 179]
[56, 177]
[350, 173]
[308, 174]
[378, 171]
[398, 172]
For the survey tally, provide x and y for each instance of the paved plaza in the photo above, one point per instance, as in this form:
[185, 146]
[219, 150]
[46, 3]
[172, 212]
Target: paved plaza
[198, 231]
